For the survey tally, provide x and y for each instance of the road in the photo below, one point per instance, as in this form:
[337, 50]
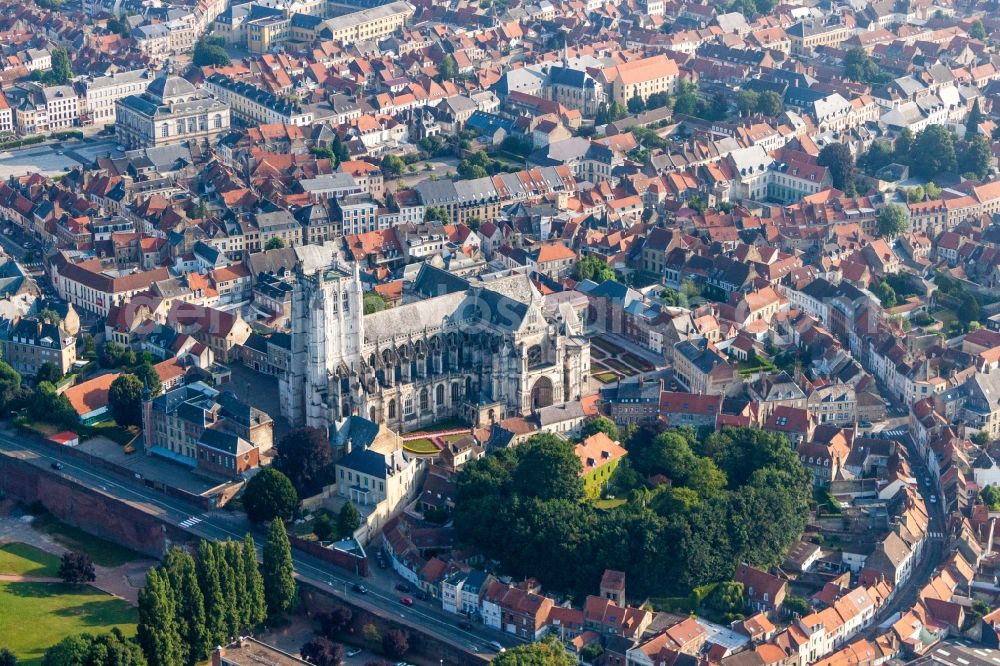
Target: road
[906, 594]
[217, 525]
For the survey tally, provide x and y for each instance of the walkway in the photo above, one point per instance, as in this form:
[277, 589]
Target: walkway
[123, 581]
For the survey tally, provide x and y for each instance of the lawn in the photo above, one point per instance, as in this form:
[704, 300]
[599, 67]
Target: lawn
[422, 446]
[606, 377]
[116, 433]
[35, 616]
[607, 504]
[20, 559]
[620, 367]
[638, 362]
[103, 552]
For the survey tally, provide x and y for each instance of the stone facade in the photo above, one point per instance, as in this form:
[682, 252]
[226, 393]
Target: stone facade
[480, 351]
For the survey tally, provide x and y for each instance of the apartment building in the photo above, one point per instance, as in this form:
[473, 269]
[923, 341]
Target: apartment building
[98, 94]
[256, 106]
[640, 78]
[373, 23]
[28, 342]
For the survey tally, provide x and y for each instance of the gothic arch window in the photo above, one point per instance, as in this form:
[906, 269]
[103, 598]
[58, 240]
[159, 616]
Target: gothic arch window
[392, 408]
[542, 393]
[439, 399]
[371, 413]
[424, 400]
[456, 392]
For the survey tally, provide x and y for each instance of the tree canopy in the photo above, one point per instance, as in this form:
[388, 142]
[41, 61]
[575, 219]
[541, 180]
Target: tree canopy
[524, 507]
[592, 268]
[125, 399]
[892, 220]
[210, 52]
[305, 457]
[838, 159]
[268, 495]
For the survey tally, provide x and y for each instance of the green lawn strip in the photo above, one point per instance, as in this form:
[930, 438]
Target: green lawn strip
[104, 553]
[20, 559]
[620, 367]
[35, 616]
[607, 504]
[422, 445]
[606, 377]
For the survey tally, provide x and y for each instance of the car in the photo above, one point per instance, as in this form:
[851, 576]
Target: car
[865, 424]
[497, 647]
[359, 588]
[933, 499]
[465, 626]
[57, 465]
[353, 652]
[406, 601]
[403, 587]
[423, 596]
[59, 152]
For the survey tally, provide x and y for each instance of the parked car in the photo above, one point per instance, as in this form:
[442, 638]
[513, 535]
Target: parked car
[406, 601]
[933, 499]
[465, 626]
[423, 596]
[496, 646]
[403, 587]
[359, 588]
[57, 465]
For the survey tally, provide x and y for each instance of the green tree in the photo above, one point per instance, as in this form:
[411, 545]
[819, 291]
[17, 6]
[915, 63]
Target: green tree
[747, 101]
[374, 302]
[392, 165]
[348, 520]
[256, 602]
[969, 310]
[858, 66]
[125, 399]
[77, 567]
[991, 497]
[977, 156]
[323, 527]
[974, 119]
[933, 152]
[10, 386]
[48, 406]
[548, 652]
[903, 146]
[769, 103]
[878, 155]
[549, 469]
[189, 603]
[932, 191]
[797, 605]
[636, 105]
[885, 294]
[600, 424]
[892, 221]
[838, 159]
[269, 495]
[279, 575]
[148, 377]
[210, 52]
[274, 243]
[305, 457]
[7, 658]
[110, 649]
[592, 268]
[227, 582]
[435, 214]
[977, 30]
[61, 71]
[48, 372]
[157, 630]
[448, 70]
[207, 570]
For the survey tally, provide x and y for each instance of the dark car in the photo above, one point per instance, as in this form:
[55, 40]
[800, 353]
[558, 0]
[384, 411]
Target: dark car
[359, 588]
[465, 626]
[57, 465]
[423, 596]
[406, 601]
[403, 587]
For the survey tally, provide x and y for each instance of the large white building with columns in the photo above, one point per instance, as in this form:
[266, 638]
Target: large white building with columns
[479, 350]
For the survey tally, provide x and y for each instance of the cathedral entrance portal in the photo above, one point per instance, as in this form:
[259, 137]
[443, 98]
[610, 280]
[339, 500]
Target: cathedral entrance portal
[541, 393]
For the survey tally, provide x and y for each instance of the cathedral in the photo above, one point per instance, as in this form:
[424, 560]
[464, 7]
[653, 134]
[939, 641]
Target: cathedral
[478, 350]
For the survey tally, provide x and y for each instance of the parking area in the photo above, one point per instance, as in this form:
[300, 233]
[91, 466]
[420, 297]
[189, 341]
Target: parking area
[53, 159]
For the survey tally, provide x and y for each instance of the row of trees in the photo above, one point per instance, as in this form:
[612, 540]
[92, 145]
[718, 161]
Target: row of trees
[933, 151]
[191, 604]
[737, 496]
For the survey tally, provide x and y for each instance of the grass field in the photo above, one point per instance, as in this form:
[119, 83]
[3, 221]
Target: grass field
[605, 377]
[20, 559]
[103, 552]
[422, 445]
[35, 616]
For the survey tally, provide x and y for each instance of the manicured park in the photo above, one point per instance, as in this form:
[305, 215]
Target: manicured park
[35, 616]
[19, 559]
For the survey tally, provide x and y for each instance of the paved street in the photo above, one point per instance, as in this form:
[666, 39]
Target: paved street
[219, 525]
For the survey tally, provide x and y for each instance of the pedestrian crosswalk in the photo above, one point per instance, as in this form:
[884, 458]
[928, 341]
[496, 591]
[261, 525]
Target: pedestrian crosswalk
[190, 522]
[936, 535]
[892, 434]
